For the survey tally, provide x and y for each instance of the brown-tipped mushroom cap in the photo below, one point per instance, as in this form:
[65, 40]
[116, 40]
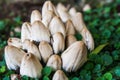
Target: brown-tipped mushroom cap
[13, 57]
[15, 42]
[70, 39]
[30, 66]
[54, 62]
[70, 28]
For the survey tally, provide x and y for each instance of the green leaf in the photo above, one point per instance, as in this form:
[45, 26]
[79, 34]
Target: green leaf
[17, 19]
[115, 55]
[108, 76]
[97, 68]
[2, 69]
[2, 25]
[99, 48]
[46, 71]
[100, 78]
[107, 59]
[78, 36]
[83, 72]
[75, 78]
[46, 78]
[107, 9]
[87, 76]
[89, 66]
[6, 78]
[9, 72]
[106, 33]
[25, 78]
[117, 71]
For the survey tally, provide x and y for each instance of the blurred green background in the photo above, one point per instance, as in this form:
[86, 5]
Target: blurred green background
[102, 19]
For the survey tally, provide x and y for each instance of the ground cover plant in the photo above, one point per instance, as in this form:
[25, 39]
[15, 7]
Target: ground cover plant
[103, 63]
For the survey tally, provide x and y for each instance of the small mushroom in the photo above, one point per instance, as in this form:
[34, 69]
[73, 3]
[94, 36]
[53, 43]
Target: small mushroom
[39, 32]
[32, 48]
[72, 11]
[58, 42]
[15, 42]
[13, 57]
[70, 39]
[74, 56]
[47, 18]
[70, 28]
[30, 66]
[63, 13]
[78, 22]
[45, 50]
[59, 75]
[25, 31]
[56, 25]
[54, 62]
[35, 16]
[48, 6]
[87, 38]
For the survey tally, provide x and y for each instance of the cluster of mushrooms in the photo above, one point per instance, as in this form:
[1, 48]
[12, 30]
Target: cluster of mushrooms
[49, 40]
